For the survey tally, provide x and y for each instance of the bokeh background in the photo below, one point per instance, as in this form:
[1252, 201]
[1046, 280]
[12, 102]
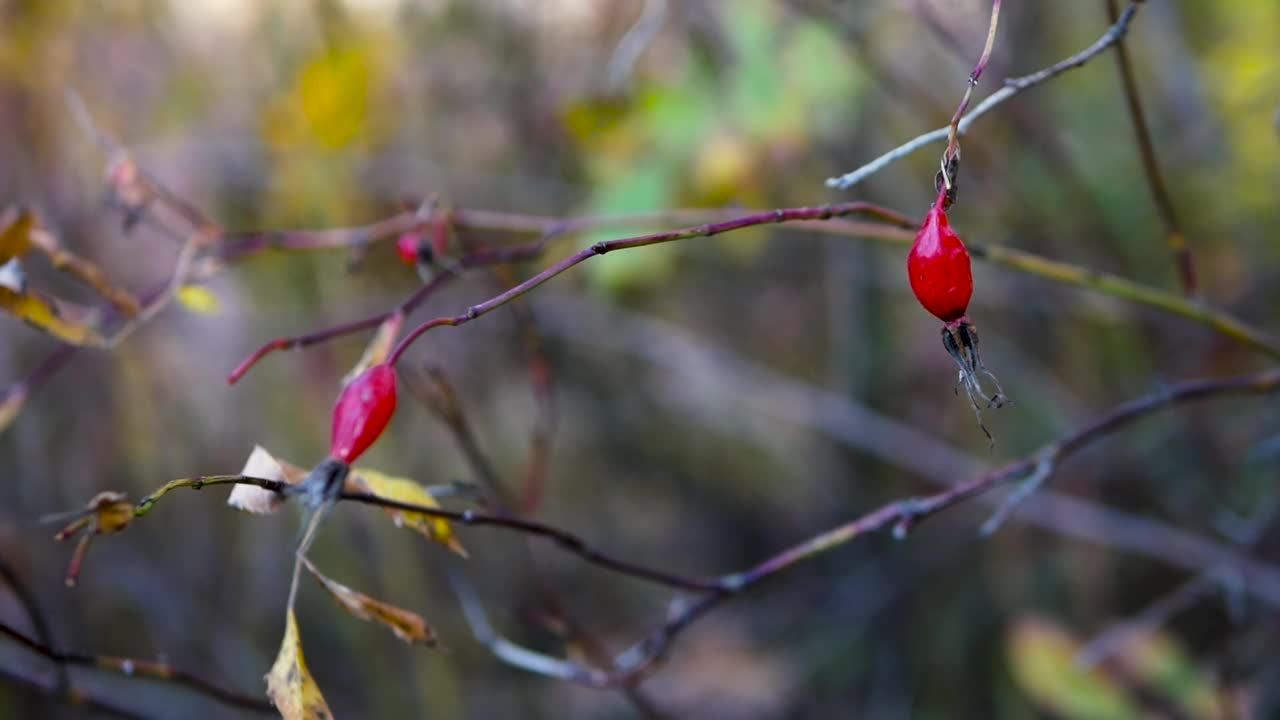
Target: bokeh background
[717, 400]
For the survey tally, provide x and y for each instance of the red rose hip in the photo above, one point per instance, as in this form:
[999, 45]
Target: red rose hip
[938, 266]
[407, 248]
[364, 408]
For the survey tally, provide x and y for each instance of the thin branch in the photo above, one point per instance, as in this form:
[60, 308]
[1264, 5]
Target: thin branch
[443, 402]
[1115, 637]
[1183, 597]
[564, 539]
[901, 516]
[35, 615]
[720, 373]
[138, 668]
[73, 696]
[953, 136]
[824, 212]
[1011, 88]
[1103, 283]
[84, 271]
[1151, 167]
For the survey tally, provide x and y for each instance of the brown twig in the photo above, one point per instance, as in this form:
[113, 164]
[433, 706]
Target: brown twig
[443, 402]
[900, 516]
[39, 623]
[72, 696]
[952, 152]
[824, 212]
[1151, 167]
[138, 668]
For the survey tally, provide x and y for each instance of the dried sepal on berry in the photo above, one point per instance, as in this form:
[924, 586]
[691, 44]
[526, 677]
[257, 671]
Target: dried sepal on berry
[941, 277]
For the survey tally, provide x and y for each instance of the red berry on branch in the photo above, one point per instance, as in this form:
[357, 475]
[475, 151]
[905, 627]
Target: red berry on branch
[364, 408]
[938, 266]
[407, 247]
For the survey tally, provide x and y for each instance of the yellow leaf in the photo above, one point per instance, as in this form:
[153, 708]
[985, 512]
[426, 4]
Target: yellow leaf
[379, 347]
[333, 91]
[44, 315]
[408, 491]
[15, 234]
[408, 626]
[290, 685]
[1042, 656]
[198, 299]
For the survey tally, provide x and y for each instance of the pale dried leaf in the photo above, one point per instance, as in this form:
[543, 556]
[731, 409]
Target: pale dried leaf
[408, 626]
[254, 499]
[12, 277]
[408, 491]
[45, 314]
[290, 685]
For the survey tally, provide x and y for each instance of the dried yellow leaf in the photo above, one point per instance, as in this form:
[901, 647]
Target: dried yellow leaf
[290, 685]
[408, 626]
[198, 299]
[43, 314]
[408, 491]
[15, 234]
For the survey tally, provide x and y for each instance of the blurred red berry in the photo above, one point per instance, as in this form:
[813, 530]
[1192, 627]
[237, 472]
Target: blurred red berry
[364, 408]
[407, 247]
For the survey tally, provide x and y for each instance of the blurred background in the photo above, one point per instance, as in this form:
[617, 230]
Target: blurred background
[715, 400]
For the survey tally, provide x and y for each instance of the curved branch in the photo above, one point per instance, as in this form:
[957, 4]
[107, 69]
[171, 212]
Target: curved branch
[1012, 87]
[824, 212]
[138, 668]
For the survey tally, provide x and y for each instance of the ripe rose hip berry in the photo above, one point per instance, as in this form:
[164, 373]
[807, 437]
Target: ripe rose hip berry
[938, 266]
[408, 247]
[364, 408]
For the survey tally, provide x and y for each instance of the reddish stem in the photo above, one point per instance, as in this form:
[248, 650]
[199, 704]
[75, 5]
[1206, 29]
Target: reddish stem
[824, 212]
